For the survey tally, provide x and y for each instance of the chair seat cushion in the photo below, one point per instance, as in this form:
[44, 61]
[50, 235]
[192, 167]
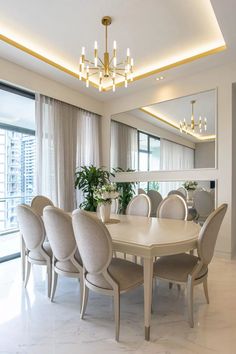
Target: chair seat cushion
[37, 255]
[68, 266]
[127, 274]
[177, 267]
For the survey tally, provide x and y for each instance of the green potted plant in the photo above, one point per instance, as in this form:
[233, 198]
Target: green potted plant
[87, 178]
[126, 190]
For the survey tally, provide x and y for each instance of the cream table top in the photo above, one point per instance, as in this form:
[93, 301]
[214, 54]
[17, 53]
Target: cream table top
[152, 236]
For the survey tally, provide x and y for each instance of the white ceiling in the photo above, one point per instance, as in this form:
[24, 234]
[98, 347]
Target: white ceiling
[178, 109]
[158, 32]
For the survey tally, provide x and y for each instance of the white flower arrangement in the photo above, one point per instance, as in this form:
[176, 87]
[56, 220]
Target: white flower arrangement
[105, 194]
[190, 185]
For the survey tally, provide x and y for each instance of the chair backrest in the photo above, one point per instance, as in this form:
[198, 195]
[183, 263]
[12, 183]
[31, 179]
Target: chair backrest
[173, 207]
[141, 191]
[93, 240]
[209, 232]
[203, 202]
[31, 226]
[58, 225]
[39, 202]
[176, 192]
[140, 205]
[183, 191]
[156, 199]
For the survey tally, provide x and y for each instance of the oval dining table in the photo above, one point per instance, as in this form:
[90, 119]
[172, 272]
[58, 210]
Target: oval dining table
[149, 237]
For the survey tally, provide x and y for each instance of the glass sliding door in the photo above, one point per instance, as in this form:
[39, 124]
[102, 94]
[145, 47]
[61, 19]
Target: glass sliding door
[17, 163]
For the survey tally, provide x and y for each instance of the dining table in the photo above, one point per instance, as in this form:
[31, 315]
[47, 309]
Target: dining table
[150, 237]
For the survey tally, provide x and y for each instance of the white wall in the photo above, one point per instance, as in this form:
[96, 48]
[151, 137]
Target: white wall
[147, 127]
[27, 79]
[204, 155]
[219, 78]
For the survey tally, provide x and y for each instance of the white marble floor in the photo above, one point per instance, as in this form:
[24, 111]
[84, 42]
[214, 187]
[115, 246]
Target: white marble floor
[30, 324]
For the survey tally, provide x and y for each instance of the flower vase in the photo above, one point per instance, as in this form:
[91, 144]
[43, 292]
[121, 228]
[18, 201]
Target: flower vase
[105, 212]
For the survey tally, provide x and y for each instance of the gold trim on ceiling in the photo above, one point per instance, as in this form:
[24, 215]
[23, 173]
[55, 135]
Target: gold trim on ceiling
[173, 125]
[108, 88]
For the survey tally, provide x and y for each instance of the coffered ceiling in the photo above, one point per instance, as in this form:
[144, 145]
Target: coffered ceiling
[47, 36]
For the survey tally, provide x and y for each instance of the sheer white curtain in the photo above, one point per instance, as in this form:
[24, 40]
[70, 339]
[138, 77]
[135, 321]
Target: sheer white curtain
[174, 157]
[124, 146]
[64, 140]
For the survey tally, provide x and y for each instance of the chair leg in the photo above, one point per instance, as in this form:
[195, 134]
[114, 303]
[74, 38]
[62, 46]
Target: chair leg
[54, 284]
[22, 246]
[81, 284]
[85, 300]
[49, 271]
[28, 268]
[190, 301]
[170, 285]
[205, 287]
[117, 313]
[134, 259]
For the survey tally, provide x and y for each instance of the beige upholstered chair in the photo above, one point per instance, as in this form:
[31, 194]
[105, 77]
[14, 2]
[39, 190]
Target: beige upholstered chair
[177, 192]
[141, 191]
[183, 191]
[37, 251]
[155, 198]
[204, 204]
[140, 205]
[189, 269]
[102, 273]
[39, 202]
[173, 207]
[66, 258]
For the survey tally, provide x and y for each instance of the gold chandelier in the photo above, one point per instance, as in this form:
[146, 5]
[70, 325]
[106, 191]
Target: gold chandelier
[107, 69]
[200, 124]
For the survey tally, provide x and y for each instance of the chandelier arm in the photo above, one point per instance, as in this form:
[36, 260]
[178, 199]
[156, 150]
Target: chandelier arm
[101, 61]
[120, 74]
[95, 73]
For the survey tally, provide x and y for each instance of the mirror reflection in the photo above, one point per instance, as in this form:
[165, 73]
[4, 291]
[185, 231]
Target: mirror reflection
[179, 134]
[199, 196]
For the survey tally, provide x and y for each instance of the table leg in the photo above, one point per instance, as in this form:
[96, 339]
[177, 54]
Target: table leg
[148, 275]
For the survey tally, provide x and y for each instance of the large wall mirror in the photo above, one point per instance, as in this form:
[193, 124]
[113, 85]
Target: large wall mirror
[178, 134]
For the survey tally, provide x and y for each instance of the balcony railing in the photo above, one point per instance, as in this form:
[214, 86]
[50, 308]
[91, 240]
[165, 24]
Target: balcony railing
[8, 220]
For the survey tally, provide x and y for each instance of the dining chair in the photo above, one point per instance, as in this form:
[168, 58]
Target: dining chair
[204, 204]
[183, 191]
[36, 250]
[177, 192]
[140, 205]
[103, 273]
[66, 258]
[39, 202]
[141, 191]
[155, 198]
[173, 207]
[191, 270]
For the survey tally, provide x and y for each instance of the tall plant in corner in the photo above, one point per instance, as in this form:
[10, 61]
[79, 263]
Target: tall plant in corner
[125, 189]
[87, 178]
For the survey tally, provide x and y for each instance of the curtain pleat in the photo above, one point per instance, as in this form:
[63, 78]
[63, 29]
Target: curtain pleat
[66, 137]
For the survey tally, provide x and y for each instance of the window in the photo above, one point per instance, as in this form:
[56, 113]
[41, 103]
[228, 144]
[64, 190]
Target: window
[148, 152]
[148, 157]
[17, 161]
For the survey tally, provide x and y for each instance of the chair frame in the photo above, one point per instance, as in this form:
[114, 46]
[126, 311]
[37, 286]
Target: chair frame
[56, 271]
[115, 291]
[25, 254]
[172, 196]
[193, 278]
